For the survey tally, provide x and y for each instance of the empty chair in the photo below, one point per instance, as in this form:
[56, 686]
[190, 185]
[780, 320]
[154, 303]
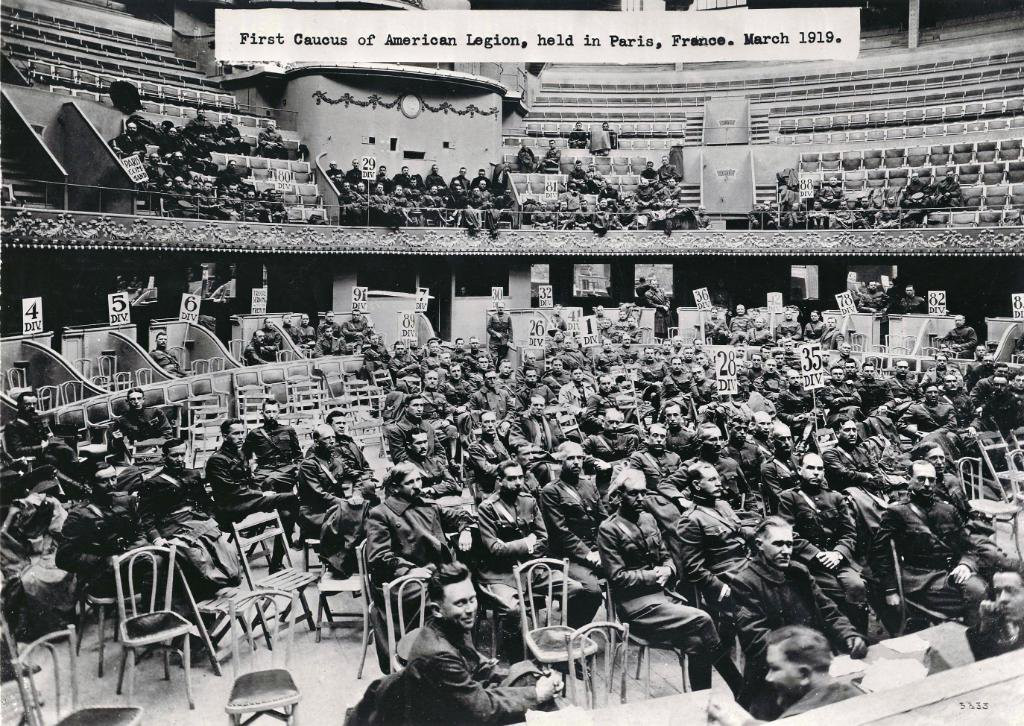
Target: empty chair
[809, 166]
[996, 196]
[972, 195]
[1015, 172]
[993, 173]
[989, 218]
[955, 129]
[973, 110]
[810, 156]
[875, 118]
[831, 165]
[953, 111]
[938, 219]
[938, 159]
[819, 138]
[893, 162]
[996, 124]
[917, 156]
[962, 219]
[936, 130]
[1017, 195]
[1008, 153]
[852, 160]
[875, 135]
[914, 132]
[830, 156]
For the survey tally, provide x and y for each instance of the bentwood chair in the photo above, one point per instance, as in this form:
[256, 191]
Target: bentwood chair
[584, 648]
[541, 594]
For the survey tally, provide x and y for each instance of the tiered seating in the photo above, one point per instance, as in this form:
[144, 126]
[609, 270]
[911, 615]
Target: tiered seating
[935, 120]
[644, 131]
[991, 175]
[606, 165]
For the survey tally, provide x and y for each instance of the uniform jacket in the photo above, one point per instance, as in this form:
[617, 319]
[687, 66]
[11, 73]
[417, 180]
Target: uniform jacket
[822, 522]
[273, 446]
[712, 541]
[504, 528]
[92, 534]
[149, 423]
[572, 513]
[484, 457]
[232, 483]
[399, 437]
[629, 553]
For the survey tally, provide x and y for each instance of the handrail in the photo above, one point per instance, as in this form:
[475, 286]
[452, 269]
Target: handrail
[19, 118]
[325, 183]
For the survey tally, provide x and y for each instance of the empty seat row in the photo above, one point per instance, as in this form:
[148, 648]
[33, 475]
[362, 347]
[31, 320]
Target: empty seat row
[903, 117]
[23, 14]
[620, 165]
[989, 196]
[987, 218]
[902, 133]
[258, 162]
[623, 128]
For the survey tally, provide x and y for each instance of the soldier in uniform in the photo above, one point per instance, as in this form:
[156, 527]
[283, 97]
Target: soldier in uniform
[399, 433]
[658, 463]
[794, 405]
[437, 481]
[780, 472]
[276, 449]
[140, 425]
[680, 439]
[939, 560]
[355, 330]
[928, 415]
[598, 401]
[512, 531]
[639, 573]
[533, 427]
[499, 331]
[850, 465]
[493, 397]
[167, 361]
[609, 447]
[486, 453]
[406, 535]
[321, 481]
[236, 493]
[826, 539]
[572, 512]
[733, 480]
[357, 469]
[29, 437]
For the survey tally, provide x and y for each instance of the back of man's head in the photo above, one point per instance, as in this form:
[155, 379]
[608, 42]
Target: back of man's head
[803, 646]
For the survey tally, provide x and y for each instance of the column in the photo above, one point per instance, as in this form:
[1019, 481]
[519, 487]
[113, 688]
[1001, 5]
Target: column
[913, 23]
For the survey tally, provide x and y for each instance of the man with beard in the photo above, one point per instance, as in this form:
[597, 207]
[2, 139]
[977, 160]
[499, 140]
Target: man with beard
[711, 444]
[174, 505]
[572, 512]
[103, 525]
[399, 433]
[928, 415]
[826, 539]
[772, 591]
[779, 473]
[486, 452]
[939, 560]
[236, 493]
[512, 531]
[639, 573]
[407, 535]
[276, 448]
[29, 437]
[167, 361]
[794, 405]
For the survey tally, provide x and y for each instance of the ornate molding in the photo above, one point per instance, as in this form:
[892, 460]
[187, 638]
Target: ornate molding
[23, 229]
[376, 101]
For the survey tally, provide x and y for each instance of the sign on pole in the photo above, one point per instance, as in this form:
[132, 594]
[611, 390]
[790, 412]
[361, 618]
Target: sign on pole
[812, 365]
[359, 301]
[936, 302]
[408, 331]
[422, 299]
[31, 315]
[538, 332]
[134, 168]
[774, 301]
[845, 302]
[259, 301]
[368, 165]
[1016, 303]
[723, 361]
[189, 310]
[497, 294]
[550, 190]
[703, 299]
[545, 297]
[118, 308]
[807, 186]
[590, 340]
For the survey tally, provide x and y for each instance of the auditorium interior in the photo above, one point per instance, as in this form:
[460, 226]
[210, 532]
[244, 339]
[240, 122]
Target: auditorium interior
[790, 177]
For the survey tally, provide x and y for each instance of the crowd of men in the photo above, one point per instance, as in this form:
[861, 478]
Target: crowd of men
[704, 517]
[185, 182]
[832, 207]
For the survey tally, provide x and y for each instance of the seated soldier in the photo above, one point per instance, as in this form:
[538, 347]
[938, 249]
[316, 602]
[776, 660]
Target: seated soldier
[534, 427]
[321, 481]
[448, 681]
[826, 539]
[167, 361]
[772, 591]
[29, 437]
[939, 560]
[639, 573]
[357, 468]
[270, 143]
[407, 535]
[1000, 626]
[141, 426]
[437, 481]
[572, 512]
[512, 531]
[236, 493]
[276, 448]
[798, 660]
[174, 507]
[99, 527]
[850, 465]
[611, 446]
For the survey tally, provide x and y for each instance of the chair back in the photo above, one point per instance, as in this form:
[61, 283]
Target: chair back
[607, 678]
[995, 456]
[144, 578]
[395, 611]
[64, 680]
[537, 601]
[272, 608]
[364, 573]
[969, 469]
[259, 530]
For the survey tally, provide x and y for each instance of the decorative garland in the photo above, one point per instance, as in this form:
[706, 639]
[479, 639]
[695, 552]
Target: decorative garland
[375, 100]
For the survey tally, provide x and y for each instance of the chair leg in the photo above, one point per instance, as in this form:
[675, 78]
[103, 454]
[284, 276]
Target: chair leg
[83, 610]
[293, 716]
[101, 627]
[319, 615]
[366, 640]
[494, 633]
[186, 662]
[307, 611]
[120, 671]
[131, 674]
[167, 664]
[639, 660]
[647, 683]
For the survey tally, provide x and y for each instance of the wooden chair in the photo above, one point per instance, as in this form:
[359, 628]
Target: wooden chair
[544, 639]
[400, 636]
[358, 586]
[260, 530]
[150, 622]
[100, 605]
[34, 703]
[582, 648]
[271, 690]
[975, 487]
[905, 605]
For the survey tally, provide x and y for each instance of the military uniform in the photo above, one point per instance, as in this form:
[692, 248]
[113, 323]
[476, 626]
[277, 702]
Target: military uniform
[630, 551]
[276, 448]
[91, 535]
[321, 486]
[31, 438]
[927, 417]
[850, 468]
[823, 523]
[541, 432]
[734, 482]
[791, 404]
[437, 480]
[713, 543]
[484, 456]
[776, 477]
[143, 425]
[167, 361]
[499, 334]
[572, 513]
[399, 437]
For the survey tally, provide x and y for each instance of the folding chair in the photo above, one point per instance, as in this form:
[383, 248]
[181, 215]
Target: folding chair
[262, 529]
[359, 586]
[1006, 509]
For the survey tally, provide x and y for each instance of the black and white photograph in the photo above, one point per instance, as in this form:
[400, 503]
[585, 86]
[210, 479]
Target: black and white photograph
[479, 362]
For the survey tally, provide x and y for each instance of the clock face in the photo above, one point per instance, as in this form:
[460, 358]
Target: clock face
[411, 105]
